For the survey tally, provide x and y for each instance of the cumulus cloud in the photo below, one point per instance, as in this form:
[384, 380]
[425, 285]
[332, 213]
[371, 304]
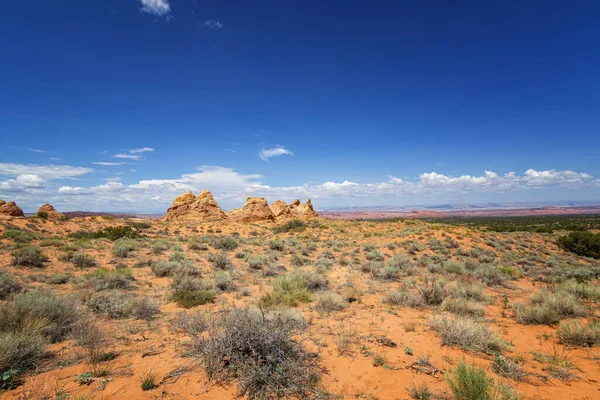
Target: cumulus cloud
[43, 171]
[266, 154]
[213, 24]
[155, 7]
[230, 187]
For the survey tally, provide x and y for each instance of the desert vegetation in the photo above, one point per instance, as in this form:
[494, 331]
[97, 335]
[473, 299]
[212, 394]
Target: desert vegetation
[98, 307]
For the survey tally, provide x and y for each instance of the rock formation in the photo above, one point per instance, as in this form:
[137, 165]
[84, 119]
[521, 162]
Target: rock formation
[50, 212]
[188, 206]
[10, 209]
[303, 210]
[280, 209]
[255, 209]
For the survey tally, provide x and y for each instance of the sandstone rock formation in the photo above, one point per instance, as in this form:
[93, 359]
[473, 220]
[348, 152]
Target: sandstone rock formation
[10, 209]
[50, 211]
[188, 206]
[255, 209]
[303, 210]
[280, 209]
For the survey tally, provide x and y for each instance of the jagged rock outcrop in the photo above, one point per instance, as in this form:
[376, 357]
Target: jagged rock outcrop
[280, 209]
[188, 206]
[50, 212]
[305, 210]
[10, 209]
[254, 210]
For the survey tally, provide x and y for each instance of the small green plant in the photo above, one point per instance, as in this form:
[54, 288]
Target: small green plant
[10, 379]
[42, 215]
[408, 351]
[84, 378]
[149, 381]
[29, 256]
[192, 298]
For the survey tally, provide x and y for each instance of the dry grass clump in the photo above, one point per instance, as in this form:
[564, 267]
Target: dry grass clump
[288, 290]
[548, 308]
[463, 307]
[220, 261]
[466, 334]
[118, 305]
[81, 260]
[259, 351]
[328, 302]
[577, 334]
[403, 297]
[28, 322]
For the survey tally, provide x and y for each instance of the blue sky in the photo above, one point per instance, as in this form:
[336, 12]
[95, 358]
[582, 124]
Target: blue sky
[121, 105]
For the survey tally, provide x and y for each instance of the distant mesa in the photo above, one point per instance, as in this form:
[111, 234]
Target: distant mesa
[10, 209]
[204, 207]
[50, 212]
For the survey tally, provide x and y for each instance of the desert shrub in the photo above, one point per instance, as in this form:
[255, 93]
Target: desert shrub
[314, 281]
[327, 302]
[463, 307]
[149, 381]
[491, 275]
[40, 310]
[257, 262]
[163, 268]
[389, 273]
[323, 264]
[466, 334]
[59, 278]
[294, 225]
[110, 232]
[469, 382]
[20, 350]
[277, 244]
[223, 280]
[400, 262]
[466, 289]
[29, 256]
[374, 255]
[371, 267]
[192, 298]
[197, 245]
[8, 284]
[581, 290]
[104, 279]
[82, 260]
[123, 247]
[508, 368]
[288, 290]
[454, 267]
[420, 391]
[226, 243]
[548, 308]
[432, 291]
[159, 246]
[114, 304]
[144, 308]
[264, 356]
[403, 297]
[576, 334]
[17, 236]
[220, 261]
[586, 244]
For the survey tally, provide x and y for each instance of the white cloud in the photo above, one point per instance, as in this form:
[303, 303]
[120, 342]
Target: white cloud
[44, 171]
[132, 170]
[213, 24]
[55, 158]
[107, 164]
[128, 156]
[32, 185]
[277, 151]
[141, 150]
[156, 7]
[37, 150]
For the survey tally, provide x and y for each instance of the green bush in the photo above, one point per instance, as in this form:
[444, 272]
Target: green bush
[226, 243]
[110, 232]
[585, 244]
[29, 256]
[466, 334]
[123, 247]
[17, 236]
[42, 215]
[548, 308]
[469, 382]
[294, 225]
[115, 305]
[192, 298]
